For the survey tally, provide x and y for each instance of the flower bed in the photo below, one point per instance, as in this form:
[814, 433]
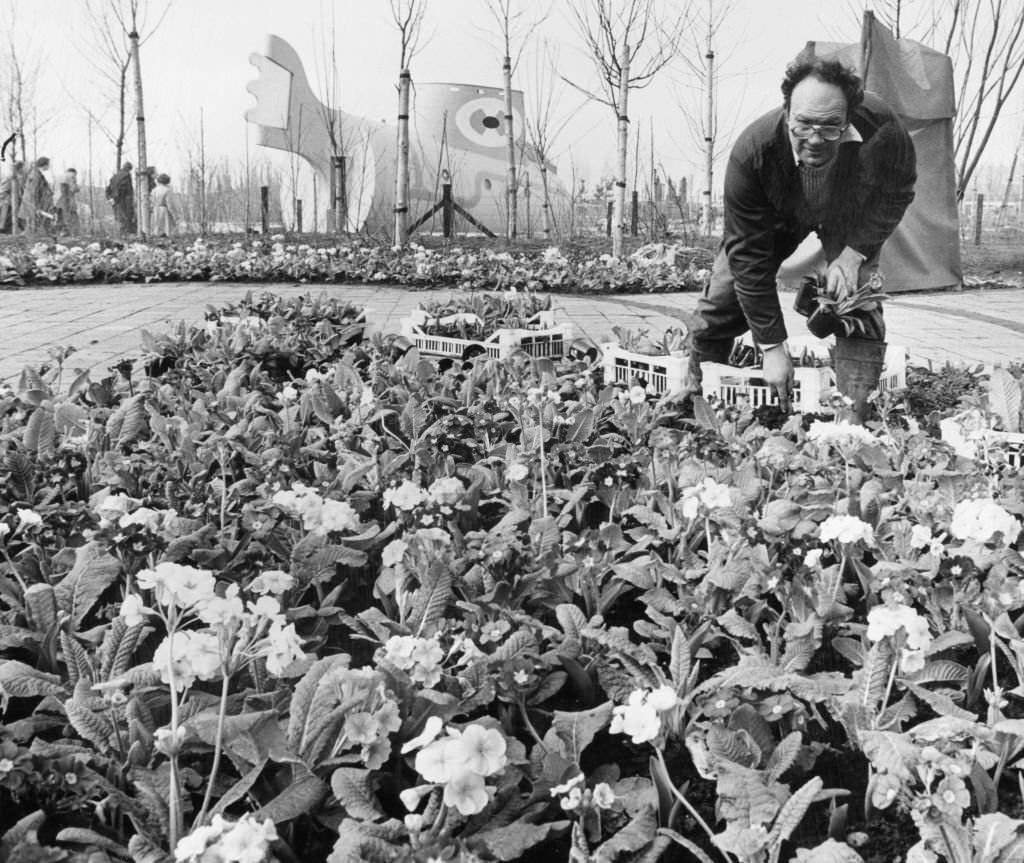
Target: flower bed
[277, 260]
[360, 608]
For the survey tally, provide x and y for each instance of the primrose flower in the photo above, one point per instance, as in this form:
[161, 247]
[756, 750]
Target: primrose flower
[29, 518]
[446, 491]
[406, 497]
[133, 610]
[176, 584]
[143, 516]
[604, 797]
[639, 716]
[843, 435]
[981, 520]
[637, 395]
[337, 515]
[222, 610]
[244, 841]
[274, 581]
[887, 620]
[188, 655]
[284, 647]
[114, 507]
[421, 657]
[466, 792]
[708, 493]
[394, 552]
[846, 529]
[517, 471]
[484, 749]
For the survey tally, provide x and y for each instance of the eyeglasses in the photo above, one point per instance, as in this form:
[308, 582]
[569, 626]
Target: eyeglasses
[826, 133]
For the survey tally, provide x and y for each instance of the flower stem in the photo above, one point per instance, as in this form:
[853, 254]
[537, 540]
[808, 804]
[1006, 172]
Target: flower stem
[218, 748]
[694, 814]
[173, 798]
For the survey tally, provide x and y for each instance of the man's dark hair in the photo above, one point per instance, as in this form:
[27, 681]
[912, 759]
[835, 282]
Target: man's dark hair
[828, 71]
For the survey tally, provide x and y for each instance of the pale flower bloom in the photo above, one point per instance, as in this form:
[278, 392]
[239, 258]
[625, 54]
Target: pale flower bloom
[133, 610]
[195, 655]
[604, 797]
[663, 698]
[115, 506]
[173, 583]
[446, 491]
[813, 557]
[393, 552]
[289, 394]
[641, 722]
[431, 729]
[222, 610]
[517, 471]
[406, 497]
[920, 536]
[338, 516]
[981, 519]
[887, 620]
[4, 528]
[438, 761]
[29, 518]
[284, 647]
[248, 841]
[911, 661]
[484, 748]
[266, 606]
[842, 435]
[143, 516]
[275, 581]
[466, 792]
[846, 529]
[637, 395]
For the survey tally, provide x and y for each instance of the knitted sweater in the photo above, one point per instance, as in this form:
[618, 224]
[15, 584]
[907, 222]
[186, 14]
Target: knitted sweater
[766, 208]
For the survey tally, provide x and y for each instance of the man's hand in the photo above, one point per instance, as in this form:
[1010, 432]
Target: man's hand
[843, 274]
[778, 372]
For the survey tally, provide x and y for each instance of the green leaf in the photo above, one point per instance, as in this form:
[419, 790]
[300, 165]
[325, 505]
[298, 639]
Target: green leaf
[889, 752]
[631, 838]
[572, 732]
[93, 572]
[1004, 398]
[353, 789]
[19, 680]
[512, 841]
[794, 809]
[993, 832]
[940, 703]
[301, 796]
[689, 845]
[40, 433]
[679, 659]
[431, 598]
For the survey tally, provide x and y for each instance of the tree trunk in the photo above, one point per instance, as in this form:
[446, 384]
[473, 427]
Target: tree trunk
[707, 212]
[402, 162]
[140, 120]
[510, 139]
[545, 207]
[619, 200]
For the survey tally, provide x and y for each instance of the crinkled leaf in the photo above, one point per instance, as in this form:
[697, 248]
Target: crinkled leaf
[354, 791]
[572, 732]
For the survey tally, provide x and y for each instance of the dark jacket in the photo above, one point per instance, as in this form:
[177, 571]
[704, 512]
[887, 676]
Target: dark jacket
[874, 184]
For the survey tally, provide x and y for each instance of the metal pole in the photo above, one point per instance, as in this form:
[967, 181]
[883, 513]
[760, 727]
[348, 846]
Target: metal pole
[265, 209]
[979, 206]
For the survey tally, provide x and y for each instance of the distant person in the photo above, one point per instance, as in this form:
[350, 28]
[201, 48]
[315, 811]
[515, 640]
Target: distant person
[164, 216]
[121, 195]
[67, 202]
[11, 185]
[37, 201]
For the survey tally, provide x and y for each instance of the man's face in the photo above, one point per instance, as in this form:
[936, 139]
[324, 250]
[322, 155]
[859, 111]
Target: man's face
[816, 103]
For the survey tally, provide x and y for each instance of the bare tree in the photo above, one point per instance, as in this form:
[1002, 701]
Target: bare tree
[985, 40]
[408, 17]
[542, 129]
[629, 42]
[120, 28]
[514, 29]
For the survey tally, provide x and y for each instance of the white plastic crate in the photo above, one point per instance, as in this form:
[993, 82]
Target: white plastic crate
[967, 440]
[731, 384]
[541, 338]
[658, 374]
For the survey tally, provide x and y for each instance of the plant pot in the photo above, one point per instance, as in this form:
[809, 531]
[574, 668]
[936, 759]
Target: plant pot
[859, 364]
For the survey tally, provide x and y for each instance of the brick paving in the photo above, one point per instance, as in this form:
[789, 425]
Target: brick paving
[104, 323]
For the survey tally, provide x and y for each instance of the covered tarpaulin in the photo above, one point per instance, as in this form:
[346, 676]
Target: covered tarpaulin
[917, 82]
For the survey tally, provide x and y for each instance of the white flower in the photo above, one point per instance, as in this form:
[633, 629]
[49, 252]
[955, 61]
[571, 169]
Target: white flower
[568, 785]
[406, 497]
[337, 515]
[980, 520]
[484, 748]
[842, 435]
[604, 797]
[440, 760]
[431, 729]
[517, 471]
[886, 620]
[637, 395]
[275, 581]
[266, 606]
[28, 518]
[446, 491]
[846, 529]
[284, 647]
[143, 516]
[195, 655]
[4, 529]
[813, 557]
[222, 610]
[173, 583]
[289, 394]
[920, 536]
[248, 841]
[394, 552]
[663, 698]
[132, 610]
[115, 506]
[641, 722]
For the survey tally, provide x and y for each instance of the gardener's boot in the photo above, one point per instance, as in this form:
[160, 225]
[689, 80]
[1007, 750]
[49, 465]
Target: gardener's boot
[859, 365]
